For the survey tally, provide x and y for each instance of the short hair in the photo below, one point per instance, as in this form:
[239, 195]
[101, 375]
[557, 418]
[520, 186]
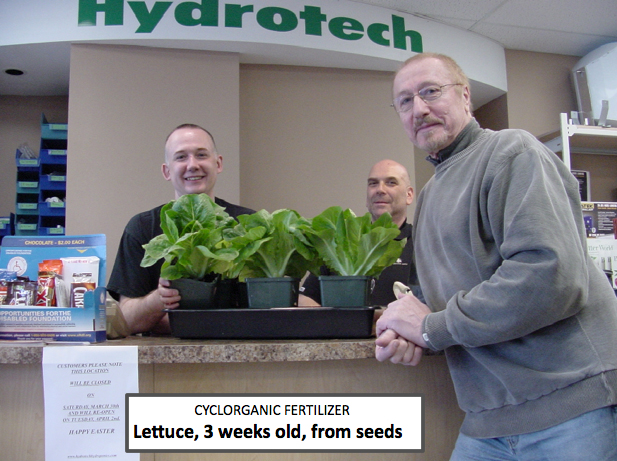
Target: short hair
[451, 65]
[191, 126]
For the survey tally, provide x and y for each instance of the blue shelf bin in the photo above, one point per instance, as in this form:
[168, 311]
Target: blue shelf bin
[58, 230]
[22, 208]
[52, 209]
[26, 228]
[6, 226]
[26, 164]
[53, 182]
[53, 156]
[27, 181]
[24, 233]
[51, 225]
[27, 187]
[53, 130]
[27, 204]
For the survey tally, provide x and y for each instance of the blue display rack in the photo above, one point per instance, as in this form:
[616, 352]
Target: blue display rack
[40, 207]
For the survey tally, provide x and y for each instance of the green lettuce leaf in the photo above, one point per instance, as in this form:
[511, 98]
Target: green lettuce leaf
[282, 250]
[245, 244]
[353, 245]
[193, 240]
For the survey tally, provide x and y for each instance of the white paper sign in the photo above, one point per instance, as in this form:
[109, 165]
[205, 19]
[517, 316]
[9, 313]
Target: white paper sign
[84, 391]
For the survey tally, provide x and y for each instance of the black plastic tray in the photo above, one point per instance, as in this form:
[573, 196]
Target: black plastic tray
[275, 323]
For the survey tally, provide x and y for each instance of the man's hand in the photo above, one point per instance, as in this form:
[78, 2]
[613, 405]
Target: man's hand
[169, 297]
[389, 346]
[399, 331]
[146, 313]
[405, 316]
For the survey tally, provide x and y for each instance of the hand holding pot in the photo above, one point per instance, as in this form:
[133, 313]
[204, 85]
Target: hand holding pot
[170, 297]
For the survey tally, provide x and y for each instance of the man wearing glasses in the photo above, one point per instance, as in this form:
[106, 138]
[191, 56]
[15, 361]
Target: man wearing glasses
[527, 321]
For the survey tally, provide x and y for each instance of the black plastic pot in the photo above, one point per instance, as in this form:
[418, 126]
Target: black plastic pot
[242, 295]
[345, 290]
[272, 292]
[196, 294]
[230, 294]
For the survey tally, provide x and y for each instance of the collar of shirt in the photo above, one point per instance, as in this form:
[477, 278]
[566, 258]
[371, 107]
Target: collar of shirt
[464, 139]
[405, 230]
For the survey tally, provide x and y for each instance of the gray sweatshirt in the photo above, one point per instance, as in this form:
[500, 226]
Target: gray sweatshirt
[527, 321]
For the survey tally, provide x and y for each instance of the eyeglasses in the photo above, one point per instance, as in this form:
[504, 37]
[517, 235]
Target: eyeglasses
[404, 103]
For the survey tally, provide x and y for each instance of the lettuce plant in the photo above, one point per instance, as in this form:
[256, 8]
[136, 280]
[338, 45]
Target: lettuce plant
[193, 241]
[353, 245]
[245, 243]
[282, 250]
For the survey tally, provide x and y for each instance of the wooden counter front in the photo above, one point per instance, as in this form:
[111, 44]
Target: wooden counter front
[170, 365]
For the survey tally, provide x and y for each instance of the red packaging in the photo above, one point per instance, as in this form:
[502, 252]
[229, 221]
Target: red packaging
[49, 272]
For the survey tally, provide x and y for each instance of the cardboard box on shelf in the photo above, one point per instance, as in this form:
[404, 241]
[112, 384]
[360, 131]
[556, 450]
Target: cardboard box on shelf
[584, 184]
[598, 218]
[603, 252]
[86, 323]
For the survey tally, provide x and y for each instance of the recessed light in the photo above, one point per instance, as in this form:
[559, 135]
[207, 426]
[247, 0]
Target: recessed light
[14, 72]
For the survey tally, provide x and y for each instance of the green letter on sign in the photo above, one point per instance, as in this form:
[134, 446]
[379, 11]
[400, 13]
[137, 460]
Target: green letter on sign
[208, 14]
[400, 35]
[375, 33]
[313, 18]
[265, 18]
[233, 14]
[339, 26]
[148, 20]
[113, 10]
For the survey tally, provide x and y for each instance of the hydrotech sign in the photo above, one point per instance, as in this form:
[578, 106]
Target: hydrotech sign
[311, 20]
[321, 33]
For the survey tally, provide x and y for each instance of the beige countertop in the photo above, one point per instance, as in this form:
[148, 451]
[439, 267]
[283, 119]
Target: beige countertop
[154, 350]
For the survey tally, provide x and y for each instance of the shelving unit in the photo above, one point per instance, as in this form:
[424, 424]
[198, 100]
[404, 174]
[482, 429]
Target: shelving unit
[27, 200]
[41, 179]
[52, 158]
[596, 140]
[584, 139]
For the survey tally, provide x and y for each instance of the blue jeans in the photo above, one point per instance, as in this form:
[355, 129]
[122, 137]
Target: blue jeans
[591, 436]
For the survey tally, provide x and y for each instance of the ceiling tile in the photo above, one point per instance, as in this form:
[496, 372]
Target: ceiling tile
[570, 27]
[597, 17]
[461, 9]
[456, 22]
[522, 38]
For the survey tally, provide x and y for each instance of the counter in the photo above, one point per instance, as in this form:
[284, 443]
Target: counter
[171, 365]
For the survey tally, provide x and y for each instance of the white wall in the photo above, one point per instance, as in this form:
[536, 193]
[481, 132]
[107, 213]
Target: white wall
[309, 136]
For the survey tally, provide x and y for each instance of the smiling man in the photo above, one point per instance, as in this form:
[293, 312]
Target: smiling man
[192, 165]
[388, 190]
